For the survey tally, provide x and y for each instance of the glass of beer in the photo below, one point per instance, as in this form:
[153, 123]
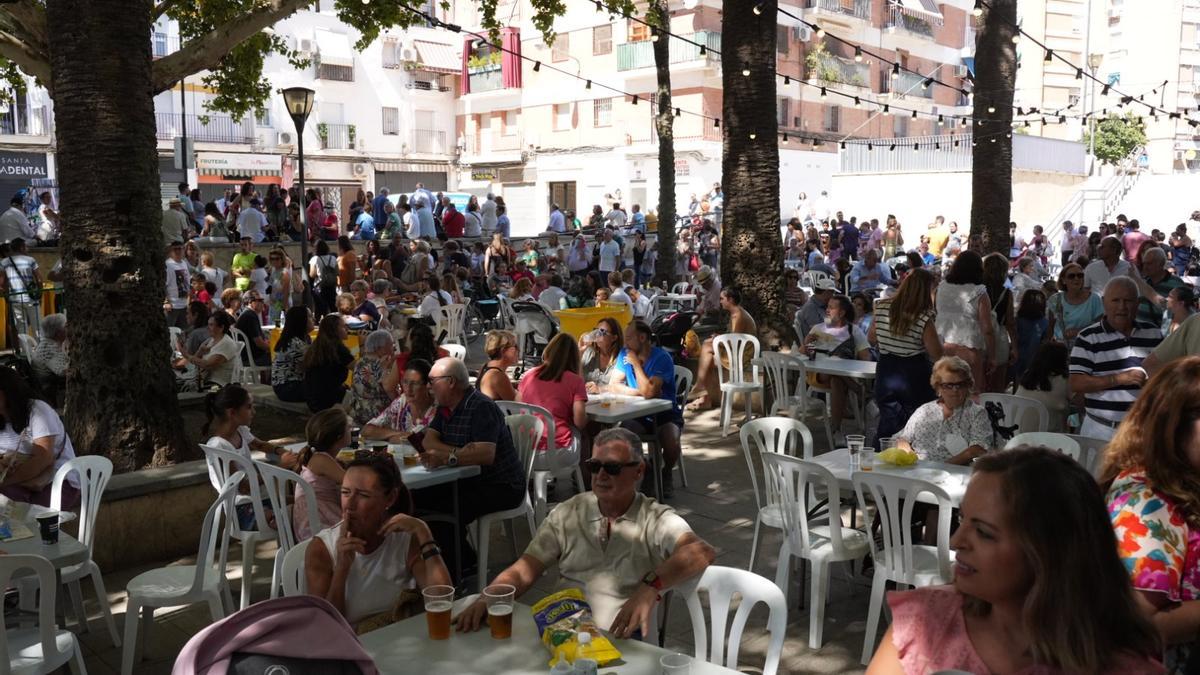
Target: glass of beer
[438, 602]
[499, 599]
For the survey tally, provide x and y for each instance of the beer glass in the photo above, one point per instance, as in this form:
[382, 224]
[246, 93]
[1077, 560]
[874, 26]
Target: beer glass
[499, 599]
[438, 602]
[676, 664]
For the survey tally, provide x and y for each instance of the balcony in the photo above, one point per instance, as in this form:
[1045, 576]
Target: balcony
[859, 9]
[829, 68]
[429, 142]
[219, 129]
[25, 121]
[634, 55]
[162, 44]
[336, 136]
[910, 24]
[425, 81]
[906, 84]
[486, 78]
[488, 141]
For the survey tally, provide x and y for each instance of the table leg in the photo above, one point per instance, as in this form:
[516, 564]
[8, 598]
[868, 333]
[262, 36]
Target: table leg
[458, 569]
[656, 467]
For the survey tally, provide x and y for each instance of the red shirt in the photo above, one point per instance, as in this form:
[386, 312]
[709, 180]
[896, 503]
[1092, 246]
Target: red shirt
[453, 223]
[1131, 242]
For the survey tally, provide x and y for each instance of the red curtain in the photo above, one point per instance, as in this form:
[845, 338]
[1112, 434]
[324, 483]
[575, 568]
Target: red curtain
[510, 62]
[465, 79]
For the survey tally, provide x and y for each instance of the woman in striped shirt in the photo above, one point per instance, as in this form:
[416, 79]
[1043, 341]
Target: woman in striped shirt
[908, 344]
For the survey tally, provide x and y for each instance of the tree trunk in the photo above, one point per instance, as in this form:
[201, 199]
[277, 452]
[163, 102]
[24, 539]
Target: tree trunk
[751, 249]
[995, 79]
[120, 388]
[664, 122]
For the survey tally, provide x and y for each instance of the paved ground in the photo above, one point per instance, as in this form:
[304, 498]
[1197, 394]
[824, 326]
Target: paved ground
[718, 503]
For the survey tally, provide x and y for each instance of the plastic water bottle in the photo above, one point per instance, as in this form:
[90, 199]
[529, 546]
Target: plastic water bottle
[561, 667]
[584, 663]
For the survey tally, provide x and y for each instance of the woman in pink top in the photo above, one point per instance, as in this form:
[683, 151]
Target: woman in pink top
[327, 432]
[557, 386]
[1038, 587]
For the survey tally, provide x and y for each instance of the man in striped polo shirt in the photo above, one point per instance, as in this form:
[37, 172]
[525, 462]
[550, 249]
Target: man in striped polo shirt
[1106, 363]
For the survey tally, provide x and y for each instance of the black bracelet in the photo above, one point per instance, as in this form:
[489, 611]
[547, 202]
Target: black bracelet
[426, 554]
[431, 542]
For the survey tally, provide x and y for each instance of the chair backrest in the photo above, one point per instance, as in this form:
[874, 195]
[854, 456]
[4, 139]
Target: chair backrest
[28, 344]
[174, 332]
[1091, 451]
[1060, 442]
[278, 482]
[241, 338]
[455, 350]
[733, 347]
[780, 368]
[510, 408]
[94, 473]
[1024, 413]
[451, 319]
[797, 484]
[810, 279]
[506, 317]
[48, 586]
[777, 435]
[214, 542]
[681, 288]
[721, 645]
[222, 463]
[894, 498]
[683, 384]
[292, 577]
[526, 431]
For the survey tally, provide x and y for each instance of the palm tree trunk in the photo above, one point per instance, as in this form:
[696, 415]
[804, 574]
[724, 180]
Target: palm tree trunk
[751, 250]
[664, 269]
[995, 79]
[120, 389]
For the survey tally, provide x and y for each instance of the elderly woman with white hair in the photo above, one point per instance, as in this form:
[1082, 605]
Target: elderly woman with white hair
[953, 428]
[50, 355]
[376, 380]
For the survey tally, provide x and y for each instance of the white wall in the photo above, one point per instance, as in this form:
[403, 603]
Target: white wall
[803, 171]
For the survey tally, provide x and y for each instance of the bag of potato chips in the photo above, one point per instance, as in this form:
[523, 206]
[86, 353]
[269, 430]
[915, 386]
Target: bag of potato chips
[561, 617]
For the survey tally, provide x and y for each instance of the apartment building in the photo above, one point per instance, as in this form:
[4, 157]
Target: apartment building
[542, 137]
[383, 116]
[27, 142]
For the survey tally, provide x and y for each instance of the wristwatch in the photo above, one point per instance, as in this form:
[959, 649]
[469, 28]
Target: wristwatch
[452, 460]
[651, 579]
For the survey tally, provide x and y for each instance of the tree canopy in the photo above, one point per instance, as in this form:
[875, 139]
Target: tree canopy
[1116, 137]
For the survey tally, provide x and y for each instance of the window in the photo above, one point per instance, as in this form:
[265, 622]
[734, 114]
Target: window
[781, 39]
[391, 121]
[900, 126]
[783, 110]
[602, 112]
[562, 47]
[510, 123]
[264, 118]
[337, 73]
[391, 52]
[638, 31]
[562, 116]
[424, 120]
[602, 40]
[833, 118]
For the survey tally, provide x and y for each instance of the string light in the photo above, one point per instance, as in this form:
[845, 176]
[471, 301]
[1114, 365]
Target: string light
[857, 102]
[589, 85]
[785, 140]
[678, 112]
[858, 56]
[820, 32]
[914, 114]
[927, 83]
[892, 147]
[745, 72]
[1015, 39]
[1079, 73]
[758, 8]
[824, 94]
[895, 70]
[753, 135]
[977, 12]
[1049, 56]
[816, 143]
[786, 80]
[537, 66]
[941, 121]
[635, 99]
[887, 110]
[916, 147]
[991, 109]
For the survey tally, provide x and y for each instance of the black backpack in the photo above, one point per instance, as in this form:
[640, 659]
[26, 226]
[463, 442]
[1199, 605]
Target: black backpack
[329, 273]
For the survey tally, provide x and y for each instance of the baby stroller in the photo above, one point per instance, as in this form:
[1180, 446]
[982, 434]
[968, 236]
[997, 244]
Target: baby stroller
[669, 330]
[534, 326]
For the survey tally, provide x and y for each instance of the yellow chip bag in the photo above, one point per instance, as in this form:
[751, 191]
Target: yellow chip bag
[898, 457]
[561, 617]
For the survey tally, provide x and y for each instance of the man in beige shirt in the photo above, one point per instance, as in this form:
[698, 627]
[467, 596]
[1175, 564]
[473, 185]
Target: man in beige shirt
[620, 547]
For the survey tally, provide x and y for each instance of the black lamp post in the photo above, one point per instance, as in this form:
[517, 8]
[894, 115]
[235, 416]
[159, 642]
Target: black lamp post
[299, 102]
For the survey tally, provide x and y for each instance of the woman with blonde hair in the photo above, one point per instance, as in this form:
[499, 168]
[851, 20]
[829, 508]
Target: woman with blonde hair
[1038, 586]
[496, 251]
[952, 429]
[1152, 474]
[326, 433]
[450, 285]
[501, 349]
[557, 386]
[904, 332]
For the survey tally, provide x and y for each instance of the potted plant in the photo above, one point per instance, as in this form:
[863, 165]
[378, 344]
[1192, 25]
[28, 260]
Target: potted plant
[323, 133]
[350, 131]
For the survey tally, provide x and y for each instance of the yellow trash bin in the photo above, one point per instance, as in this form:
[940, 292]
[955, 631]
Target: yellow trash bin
[576, 322]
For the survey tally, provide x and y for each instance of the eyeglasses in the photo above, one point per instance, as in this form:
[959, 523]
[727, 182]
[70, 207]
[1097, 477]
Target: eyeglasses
[961, 384]
[413, 383]
[1073, 275]
[611, 468]
[435, 378]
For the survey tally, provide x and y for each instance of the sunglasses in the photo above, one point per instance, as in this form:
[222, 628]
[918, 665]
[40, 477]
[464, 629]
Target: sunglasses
[611, 468]
[601, 331]
[961, 384]
[1075, 275]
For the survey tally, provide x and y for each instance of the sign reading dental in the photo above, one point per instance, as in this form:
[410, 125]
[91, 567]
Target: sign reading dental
[22, 166]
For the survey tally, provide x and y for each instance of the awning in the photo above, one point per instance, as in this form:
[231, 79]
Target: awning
[921, 9]
[969, 62]
[238, 165]
[437, 57]
[334, 48]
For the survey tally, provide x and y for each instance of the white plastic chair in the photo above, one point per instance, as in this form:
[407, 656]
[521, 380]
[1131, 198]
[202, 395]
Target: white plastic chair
[526, 431]
[1091, 451]
[456, 351]
[810, 279]
[821, 544]
[779, 369]
[248, 372]
[777, 435]
[222, 463]
[43, 648]
[278, 482]
[179, 585]
[901, 559]
[1026, 413]
[554, 461]
[28, 344]
[733, 346]
[1060, 442]
[453, 320]
[292, 573]
[683, 386]
[681, 288]
[721, 646]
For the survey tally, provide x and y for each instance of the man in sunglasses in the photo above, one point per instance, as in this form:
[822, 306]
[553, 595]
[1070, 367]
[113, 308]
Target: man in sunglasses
[621, 547]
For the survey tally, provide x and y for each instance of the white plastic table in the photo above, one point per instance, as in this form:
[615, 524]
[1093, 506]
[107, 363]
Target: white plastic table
[950, 477]
[67, 552]
[612, 409]
[404, 647]
[827, 365]
[682, 301]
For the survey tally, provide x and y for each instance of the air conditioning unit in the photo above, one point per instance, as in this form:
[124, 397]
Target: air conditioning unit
[286, 138]
[360, 169]
[305, 46]
[408, 52]
[801, 33]
[961, 71]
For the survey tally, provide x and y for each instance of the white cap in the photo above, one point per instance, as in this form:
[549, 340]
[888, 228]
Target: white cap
[585, 638]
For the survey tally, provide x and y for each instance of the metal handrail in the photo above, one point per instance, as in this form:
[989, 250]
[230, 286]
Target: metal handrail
[1109, 195]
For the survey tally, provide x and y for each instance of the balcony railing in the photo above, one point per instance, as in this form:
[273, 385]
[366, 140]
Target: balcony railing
[832, 68]
[219, 129]
[162, 44]
[489, 78]
[336, 136]
[486, 141]
[429, 142]
[860, 9]
[634, 55]
[906, 84]
[939, 153]
[911, 24]
[431, 82]
[25, 121]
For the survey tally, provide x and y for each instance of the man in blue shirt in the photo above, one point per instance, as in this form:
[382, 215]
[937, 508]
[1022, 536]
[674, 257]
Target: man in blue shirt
[849, 235]
[558, 223]
[377, 211]
[869, 274]
[648, 371]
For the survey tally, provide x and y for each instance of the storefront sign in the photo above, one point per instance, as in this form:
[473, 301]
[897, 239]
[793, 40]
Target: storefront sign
[232, 163]
[22, 166]
[483, 175]
[682, 168]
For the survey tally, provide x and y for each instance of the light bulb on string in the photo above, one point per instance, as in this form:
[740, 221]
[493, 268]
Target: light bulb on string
[537, 66]
[785, 140]
[927, 83]
[978, 10]
[858, 55]
[892, 147]
[895, 70]
[887, 110]
[857, 102]
[1016, 38]
[758, 8]
[588, 85]
[916, 147]
[824, 94]
[1049, 56]
[914, 114]
[745, 72]
[991, 109]
[941, 121]
[820, 32]
[816, 143]
[753, 135]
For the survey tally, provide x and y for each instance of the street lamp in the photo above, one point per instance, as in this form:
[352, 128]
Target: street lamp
[299, 103]
[1094, 61]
